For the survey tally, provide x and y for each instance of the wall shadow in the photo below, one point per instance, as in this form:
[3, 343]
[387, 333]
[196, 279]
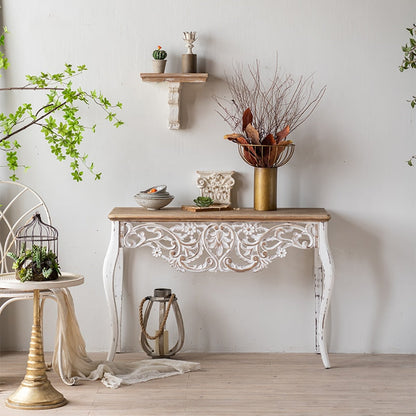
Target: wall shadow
[351, 242]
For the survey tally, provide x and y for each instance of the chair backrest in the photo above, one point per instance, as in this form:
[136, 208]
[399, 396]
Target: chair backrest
[18, 203]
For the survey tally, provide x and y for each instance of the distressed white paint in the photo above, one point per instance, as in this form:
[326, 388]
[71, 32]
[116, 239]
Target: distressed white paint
[174, 101]
[350, 159]
[221, 247]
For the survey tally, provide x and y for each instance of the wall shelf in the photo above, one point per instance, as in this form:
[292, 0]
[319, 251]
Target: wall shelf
[175, 82]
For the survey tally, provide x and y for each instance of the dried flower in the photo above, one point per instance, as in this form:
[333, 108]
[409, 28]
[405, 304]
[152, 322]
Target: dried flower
[276, 108]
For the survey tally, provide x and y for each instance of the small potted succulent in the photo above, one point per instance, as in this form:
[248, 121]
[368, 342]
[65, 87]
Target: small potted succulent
[36, 263]
[159, 60]
[203, 201]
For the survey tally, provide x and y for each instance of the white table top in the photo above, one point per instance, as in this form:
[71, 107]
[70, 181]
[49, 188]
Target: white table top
[9, 281]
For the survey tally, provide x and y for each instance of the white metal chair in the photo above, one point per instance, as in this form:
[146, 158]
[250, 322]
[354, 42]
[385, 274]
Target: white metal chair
[18, 203]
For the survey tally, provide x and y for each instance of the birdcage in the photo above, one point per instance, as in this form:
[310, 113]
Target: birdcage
[36, 255]
[38, 233]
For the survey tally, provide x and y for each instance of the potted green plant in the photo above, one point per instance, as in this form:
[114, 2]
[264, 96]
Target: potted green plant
[37, 263]
[159, 60]
[203, 201]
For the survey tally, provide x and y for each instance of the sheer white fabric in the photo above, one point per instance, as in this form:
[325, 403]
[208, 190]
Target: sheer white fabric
[75, 364]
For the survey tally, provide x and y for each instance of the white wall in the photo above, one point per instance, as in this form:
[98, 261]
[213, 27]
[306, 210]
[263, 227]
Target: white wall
[349, 159]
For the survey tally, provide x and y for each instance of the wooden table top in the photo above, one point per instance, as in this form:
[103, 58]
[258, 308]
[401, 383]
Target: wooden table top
[176, 214]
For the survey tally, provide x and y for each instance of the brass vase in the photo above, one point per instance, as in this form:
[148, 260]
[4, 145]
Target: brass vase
[265, 189]
[265, 159]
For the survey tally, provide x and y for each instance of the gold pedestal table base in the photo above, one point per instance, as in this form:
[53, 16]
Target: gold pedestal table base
[36, 392]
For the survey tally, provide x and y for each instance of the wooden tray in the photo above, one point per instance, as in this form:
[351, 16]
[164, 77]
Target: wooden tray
[213, 207]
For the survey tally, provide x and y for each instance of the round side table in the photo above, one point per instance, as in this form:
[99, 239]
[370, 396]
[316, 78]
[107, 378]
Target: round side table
[36, 391]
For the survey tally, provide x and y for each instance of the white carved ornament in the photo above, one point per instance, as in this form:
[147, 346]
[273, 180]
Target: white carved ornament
[200, 247]
[216, 185]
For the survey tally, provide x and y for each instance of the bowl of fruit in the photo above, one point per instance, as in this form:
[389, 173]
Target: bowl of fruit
[155, 197]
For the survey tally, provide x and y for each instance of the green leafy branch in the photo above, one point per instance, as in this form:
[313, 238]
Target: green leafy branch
[409, 61]
[57, 118]
[4, 63]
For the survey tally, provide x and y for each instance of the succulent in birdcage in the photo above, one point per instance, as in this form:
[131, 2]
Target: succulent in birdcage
[36, 263]
[159, 53]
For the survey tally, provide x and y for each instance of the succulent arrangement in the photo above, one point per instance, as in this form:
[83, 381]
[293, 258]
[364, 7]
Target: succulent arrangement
[159, 54]
[36, 263]
[203, 201]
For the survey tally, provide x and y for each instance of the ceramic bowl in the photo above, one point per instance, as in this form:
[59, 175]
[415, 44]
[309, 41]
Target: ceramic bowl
[153, 203]
[159, 189]
[155, 195]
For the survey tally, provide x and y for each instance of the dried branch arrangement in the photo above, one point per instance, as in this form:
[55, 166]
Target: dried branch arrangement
[262, 115]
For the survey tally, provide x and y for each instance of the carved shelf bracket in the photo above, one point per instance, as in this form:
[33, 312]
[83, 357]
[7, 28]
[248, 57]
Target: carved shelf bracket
[175, 82]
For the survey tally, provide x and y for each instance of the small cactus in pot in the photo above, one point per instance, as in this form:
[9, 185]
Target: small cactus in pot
[159, 62]
[159, 53]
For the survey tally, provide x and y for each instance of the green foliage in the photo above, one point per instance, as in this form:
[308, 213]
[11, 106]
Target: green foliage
[203, 201]
[58, 118]
[4, 63]
[159, 53]
[409, 59]
[36, 264]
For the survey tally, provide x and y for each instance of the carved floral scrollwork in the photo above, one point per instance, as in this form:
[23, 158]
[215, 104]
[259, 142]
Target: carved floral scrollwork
[200, 247]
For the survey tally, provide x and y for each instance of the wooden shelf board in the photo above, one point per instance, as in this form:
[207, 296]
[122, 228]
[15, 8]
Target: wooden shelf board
[172, 214]
[153, 77]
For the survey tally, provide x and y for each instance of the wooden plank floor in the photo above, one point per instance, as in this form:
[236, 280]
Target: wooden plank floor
[242, 384]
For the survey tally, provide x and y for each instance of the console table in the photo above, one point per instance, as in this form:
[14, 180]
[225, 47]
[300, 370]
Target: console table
[236, 240]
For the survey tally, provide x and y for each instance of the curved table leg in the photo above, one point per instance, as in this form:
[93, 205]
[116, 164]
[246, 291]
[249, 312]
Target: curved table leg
[317, 274]
[328, 280]
[109, 267]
